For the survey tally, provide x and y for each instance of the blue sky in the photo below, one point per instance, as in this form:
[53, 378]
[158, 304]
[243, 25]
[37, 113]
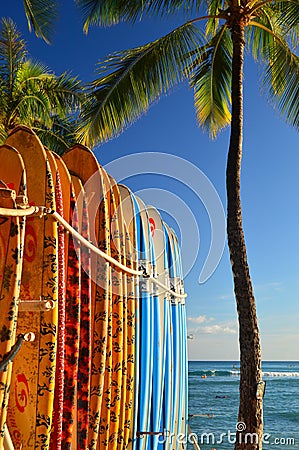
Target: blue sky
[270, 187]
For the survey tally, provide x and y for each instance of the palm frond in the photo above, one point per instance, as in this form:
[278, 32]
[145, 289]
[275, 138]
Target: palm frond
[111, 12]
[214, 7]
[12, 54]
[41, 15]
[60, 136]
[278, 19]
[211, 82]
[280, 80]
[64, 92]
[131, 80]
[3, 134]
[30, 107]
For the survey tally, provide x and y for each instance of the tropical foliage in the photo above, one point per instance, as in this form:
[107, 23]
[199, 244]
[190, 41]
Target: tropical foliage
[41, 15]
[30, 94]
[202, 54]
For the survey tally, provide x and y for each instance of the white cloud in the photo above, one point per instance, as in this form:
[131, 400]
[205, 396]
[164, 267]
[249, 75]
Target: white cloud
[217, 329]
[202, 325]
[199, 319]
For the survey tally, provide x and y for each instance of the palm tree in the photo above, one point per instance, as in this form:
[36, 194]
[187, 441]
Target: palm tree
[41, 16]
[211, 59]
[32, 95]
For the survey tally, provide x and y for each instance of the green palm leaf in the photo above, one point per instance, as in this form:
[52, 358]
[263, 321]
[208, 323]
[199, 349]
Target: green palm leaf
[131, 80]
[41, 15]
[12, 54]
[111, 12]
[60, 136]
[281, 80]
[278, 20]
[211, 81]
[214, 8]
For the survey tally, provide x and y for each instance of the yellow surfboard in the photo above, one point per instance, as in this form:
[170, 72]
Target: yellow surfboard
[12, 174]
[111, 432]
[32, 388]
[132, 305]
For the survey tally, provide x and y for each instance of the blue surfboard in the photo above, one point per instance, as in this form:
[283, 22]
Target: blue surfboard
[146, 332]
[183, 399]
[160, 321]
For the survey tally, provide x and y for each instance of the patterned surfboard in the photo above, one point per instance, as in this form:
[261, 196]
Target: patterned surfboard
[12, 174]
[81, 162]
[56, 432]
[85, 350]
[32, 389]
[119, 327]
[132, 304]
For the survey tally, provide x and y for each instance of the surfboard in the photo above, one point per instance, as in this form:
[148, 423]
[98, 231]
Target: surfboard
[168, 385]
[132, 316]
[73, 310]
[72, 325]
[146, 334]
[159, 325]
[12, 174]
[56, 432]
[80, 221]
[175, 344]
[115, 362]
[81, 162]
[32, 388]
[183, 408]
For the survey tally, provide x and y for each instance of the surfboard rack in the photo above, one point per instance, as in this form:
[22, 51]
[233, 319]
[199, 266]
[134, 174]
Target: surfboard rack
[36, 305]
[144, 271]
[9, 357]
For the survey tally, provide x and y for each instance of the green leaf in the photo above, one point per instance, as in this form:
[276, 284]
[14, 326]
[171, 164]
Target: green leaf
[12, 54]
[131, 80]
[41, 15]
[111, 12]
[279, 19]
[211, 82]
[281, 80]
[60, 137]
[214, 8]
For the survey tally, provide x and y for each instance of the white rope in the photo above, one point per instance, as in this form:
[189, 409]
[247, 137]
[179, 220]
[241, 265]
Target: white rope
[42, 210]
[161, 285]
[92, 247]
[109, 258]
[19, 212]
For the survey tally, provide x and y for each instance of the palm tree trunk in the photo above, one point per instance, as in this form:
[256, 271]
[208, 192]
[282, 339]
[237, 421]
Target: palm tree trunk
[250, 418]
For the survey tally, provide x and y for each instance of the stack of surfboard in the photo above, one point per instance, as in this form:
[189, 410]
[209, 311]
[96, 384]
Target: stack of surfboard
[108, 365]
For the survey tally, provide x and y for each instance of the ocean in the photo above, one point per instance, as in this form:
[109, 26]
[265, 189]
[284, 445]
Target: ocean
[214, 398]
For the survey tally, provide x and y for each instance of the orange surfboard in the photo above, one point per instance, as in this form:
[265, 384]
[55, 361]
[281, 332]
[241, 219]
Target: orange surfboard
[82, 163]
[32, 388]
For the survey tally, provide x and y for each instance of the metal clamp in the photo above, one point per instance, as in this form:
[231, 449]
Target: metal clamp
[36, 305]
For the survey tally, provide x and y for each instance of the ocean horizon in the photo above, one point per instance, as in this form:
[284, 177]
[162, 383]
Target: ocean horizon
[214, 401]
